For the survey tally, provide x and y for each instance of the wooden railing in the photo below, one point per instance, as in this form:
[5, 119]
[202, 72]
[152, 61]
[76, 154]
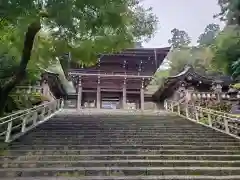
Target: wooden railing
[224, 122]
[15, 125]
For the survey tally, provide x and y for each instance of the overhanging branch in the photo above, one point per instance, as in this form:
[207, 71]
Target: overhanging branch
[33, 29]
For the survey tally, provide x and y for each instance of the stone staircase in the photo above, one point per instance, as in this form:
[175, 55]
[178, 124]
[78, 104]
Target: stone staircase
[121, 146]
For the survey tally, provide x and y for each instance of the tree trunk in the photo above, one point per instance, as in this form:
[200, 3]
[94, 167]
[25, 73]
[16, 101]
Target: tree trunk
[33, 29]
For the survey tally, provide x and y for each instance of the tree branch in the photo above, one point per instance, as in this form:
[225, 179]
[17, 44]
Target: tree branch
[33, 29]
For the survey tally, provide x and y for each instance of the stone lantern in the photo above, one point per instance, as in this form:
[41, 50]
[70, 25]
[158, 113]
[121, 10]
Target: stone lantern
[217, 87]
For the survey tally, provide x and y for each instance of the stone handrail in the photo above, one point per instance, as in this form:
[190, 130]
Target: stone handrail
[220, 121]
[17, 124]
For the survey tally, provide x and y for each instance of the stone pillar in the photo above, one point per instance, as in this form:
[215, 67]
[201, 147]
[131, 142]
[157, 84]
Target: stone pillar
[98, 97]
[79, 99]
[124, 99]
[142, 98]
[45, 88]
[218, 89]
[142, 95]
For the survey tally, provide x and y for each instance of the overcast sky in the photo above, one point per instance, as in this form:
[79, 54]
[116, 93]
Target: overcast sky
[189, 15]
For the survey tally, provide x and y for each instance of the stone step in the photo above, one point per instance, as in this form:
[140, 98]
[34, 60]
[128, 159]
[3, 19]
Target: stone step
[126, 140]
[145, 145]
[122, 135]
[122, 147]
[115, 144]
[116, 163]
[119, 126]
[125, 121]
[126, 135]
[155, 139]
[116, 171]
[121, 152]
[178, 177]
[134, 147]
[76, 155]
[122, 125]
[113, 127]
[130, 132]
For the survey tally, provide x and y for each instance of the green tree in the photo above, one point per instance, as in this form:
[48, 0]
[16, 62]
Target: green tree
[230, 11]
[84, 28]
[179, 38]
[159, 76]
[197, 57]
[208, 36]
[236, 69]
[227, 50]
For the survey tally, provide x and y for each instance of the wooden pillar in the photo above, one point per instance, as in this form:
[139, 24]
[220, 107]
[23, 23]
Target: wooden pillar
[79, 99]
[142, 96]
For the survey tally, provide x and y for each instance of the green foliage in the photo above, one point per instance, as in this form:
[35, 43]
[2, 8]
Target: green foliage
[84, 28]
[230, 11]
[159, 76]
[227, 50]
[179, 38]
[197, 57]
[178, 59]
[237, 86]
[11, 46]
[236, 68]
[20, 101]
[209, 35]
[221, 106]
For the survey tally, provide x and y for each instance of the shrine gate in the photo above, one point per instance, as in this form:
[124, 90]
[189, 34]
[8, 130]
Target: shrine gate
[117, 80]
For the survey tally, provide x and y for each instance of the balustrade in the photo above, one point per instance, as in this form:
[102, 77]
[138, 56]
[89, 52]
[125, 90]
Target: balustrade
[224, 122]
[15, 125]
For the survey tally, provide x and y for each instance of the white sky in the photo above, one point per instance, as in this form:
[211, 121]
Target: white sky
[189, 15]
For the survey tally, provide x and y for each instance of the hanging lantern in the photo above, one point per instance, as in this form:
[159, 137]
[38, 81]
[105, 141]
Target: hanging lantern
[194, 95]
[213, 96]
[204, 95]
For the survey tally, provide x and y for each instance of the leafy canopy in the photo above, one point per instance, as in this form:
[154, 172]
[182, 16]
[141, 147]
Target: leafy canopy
[227, 49]
[209, 35]
[230, 11]
[179, 38]
[83, 27]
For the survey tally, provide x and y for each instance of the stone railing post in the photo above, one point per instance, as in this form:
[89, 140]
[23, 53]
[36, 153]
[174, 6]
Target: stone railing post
[187, 111]
[179, 111]
[197, 113]
[209, 119]
[226, 123]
